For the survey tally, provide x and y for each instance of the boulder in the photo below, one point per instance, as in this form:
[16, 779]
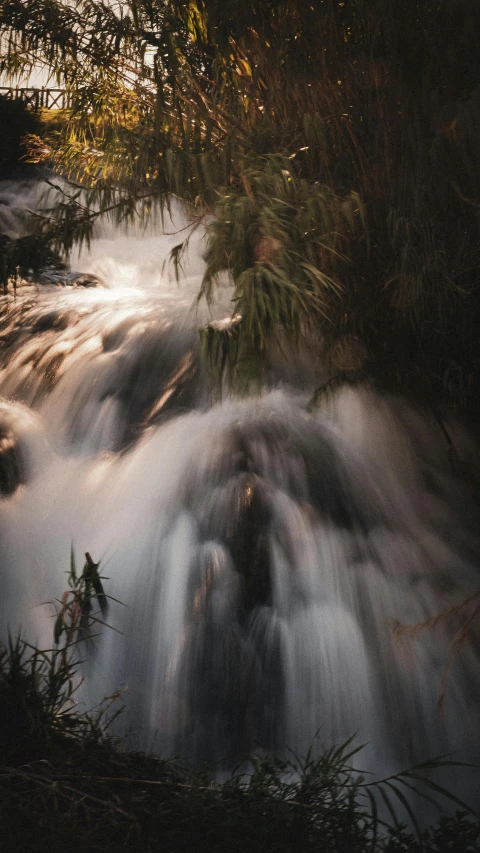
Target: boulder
[63, 277]
[12, 461]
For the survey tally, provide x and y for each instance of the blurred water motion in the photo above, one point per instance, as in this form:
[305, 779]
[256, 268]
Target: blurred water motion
[263, 554]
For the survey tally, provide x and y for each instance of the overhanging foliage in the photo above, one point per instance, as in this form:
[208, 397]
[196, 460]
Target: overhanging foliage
[335, 143]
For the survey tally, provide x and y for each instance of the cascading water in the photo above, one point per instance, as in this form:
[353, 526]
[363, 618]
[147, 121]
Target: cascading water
[262, 554]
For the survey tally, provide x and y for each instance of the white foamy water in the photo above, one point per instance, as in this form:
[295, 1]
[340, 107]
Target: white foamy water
[262, 554]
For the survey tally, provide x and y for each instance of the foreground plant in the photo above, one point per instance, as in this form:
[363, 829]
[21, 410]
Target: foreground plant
[38, 709]
[62, 777]
[107, 800]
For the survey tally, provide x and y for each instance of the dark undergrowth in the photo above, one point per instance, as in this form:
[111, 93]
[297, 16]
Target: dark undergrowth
[92, 798]
[65, 785]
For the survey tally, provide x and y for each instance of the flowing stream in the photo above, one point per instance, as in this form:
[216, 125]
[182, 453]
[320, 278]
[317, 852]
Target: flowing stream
[262, 555]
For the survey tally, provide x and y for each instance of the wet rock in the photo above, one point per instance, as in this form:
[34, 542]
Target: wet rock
[85, 280]
[23, 449]
[53, 275]
[12, 461]
[55, 319]
[63, 277]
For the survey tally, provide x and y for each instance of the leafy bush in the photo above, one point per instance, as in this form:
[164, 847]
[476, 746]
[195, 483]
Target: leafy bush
[38, 711]
[16, 122]
[100, 799]
[331, 148]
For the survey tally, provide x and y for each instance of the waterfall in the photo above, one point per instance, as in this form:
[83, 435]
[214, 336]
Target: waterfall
[260, 555]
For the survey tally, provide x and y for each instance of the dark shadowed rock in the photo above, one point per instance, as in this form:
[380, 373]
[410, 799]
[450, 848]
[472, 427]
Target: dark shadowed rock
[85, 280]
[61, 276]
[12, 461]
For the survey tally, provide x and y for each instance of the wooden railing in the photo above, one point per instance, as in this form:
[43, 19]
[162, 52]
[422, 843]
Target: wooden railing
[37, 99]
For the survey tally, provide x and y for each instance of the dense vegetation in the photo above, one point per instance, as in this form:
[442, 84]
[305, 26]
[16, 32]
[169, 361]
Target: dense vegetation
[64, 782]
[64, 785]
[331, 149]
[334, 143]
